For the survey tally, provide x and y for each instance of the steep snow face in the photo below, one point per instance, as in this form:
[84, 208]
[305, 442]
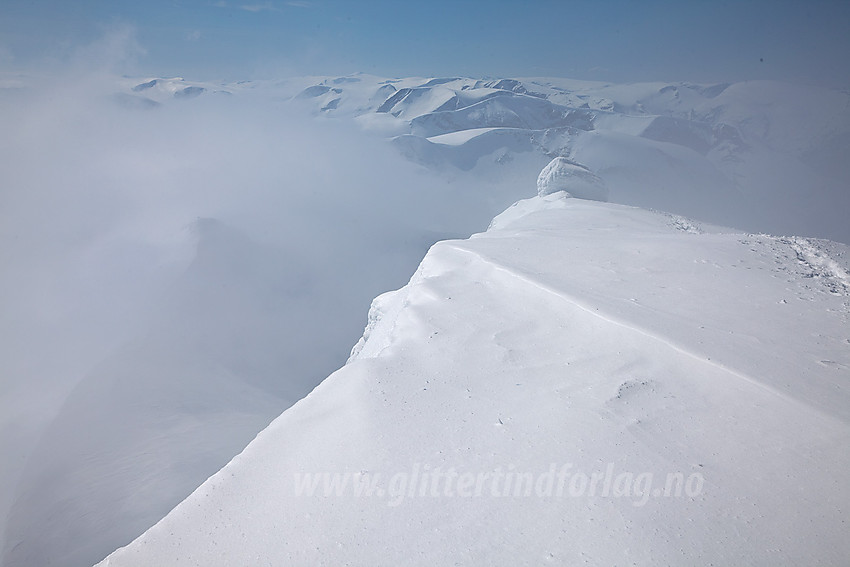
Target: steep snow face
[563, 175]
[192, 360]
[583, 383]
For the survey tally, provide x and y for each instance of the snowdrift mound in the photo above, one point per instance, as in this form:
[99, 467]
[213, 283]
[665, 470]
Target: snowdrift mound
[564, 175]
[584, 383]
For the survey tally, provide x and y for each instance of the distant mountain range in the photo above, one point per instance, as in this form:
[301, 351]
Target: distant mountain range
[761, 156]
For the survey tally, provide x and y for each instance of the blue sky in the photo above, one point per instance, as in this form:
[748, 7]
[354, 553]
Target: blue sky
[606, 40]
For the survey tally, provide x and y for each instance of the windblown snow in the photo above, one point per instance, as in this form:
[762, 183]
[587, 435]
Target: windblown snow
[573, 178]
[182, 261]
[572, 341]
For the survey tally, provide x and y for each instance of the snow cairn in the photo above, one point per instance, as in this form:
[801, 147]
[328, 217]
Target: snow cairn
[564, 175]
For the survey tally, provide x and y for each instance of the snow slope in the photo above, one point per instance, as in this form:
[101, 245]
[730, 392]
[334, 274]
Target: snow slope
[573, 340]
[122, 378]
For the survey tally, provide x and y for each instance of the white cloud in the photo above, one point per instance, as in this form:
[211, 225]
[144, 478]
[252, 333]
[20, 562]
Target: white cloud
[97, 198]
[265, 7]
[117, 47]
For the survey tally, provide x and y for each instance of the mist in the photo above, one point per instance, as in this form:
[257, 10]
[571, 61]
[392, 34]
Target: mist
[175, 276]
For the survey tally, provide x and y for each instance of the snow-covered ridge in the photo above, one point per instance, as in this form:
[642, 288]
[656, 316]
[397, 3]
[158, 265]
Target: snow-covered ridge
[573, 338]
[260, 313]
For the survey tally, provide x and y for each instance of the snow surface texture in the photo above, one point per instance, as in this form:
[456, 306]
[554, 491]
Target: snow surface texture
[563, 175]
[572, 333]
[178, 269]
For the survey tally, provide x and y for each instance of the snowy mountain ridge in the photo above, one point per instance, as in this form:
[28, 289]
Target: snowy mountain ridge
[214, 247]
[572, 338]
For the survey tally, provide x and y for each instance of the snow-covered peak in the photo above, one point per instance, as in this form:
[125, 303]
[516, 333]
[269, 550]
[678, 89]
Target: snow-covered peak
[564, 175]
